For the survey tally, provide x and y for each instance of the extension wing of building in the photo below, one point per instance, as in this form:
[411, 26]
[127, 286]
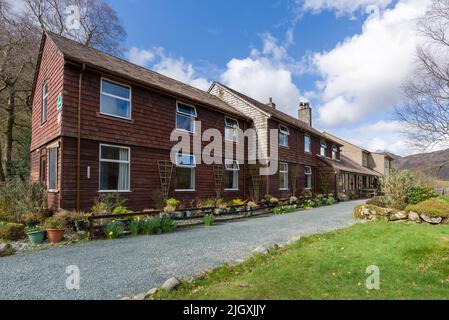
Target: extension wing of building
[103, 125]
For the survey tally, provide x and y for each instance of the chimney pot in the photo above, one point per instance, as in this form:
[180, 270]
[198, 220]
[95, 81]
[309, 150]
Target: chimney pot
[271, 103]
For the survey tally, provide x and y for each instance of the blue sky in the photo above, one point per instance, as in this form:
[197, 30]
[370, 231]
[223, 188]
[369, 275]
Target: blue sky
[348, 57]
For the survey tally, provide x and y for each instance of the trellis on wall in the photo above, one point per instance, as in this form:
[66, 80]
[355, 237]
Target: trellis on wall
[218, 179]
[165, 173]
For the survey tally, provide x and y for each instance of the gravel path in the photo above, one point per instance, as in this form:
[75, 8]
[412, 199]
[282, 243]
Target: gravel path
[133, 265]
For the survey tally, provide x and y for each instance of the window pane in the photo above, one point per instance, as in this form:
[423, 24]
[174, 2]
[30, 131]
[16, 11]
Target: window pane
[283, 139]
[114, 153]
[185, 160]
[184, 178]
[230, 179]
[109, 175]
[52, 168]
[184, 122]
[307, 143]
[115, 89]
[114, 106]
[186, 109]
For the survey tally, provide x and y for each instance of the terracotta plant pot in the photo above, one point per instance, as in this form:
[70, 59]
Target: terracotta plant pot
[55, 235]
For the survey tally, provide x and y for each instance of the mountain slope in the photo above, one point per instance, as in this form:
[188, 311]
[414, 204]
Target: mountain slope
[434, 163]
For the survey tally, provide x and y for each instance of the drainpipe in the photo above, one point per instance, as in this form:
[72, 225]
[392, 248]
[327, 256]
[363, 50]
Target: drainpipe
[78, 146]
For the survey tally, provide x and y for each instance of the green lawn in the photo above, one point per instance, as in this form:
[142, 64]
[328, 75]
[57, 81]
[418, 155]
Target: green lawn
[413, 262]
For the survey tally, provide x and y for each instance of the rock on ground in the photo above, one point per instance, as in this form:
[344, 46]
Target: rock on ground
[430, 220]
[171, 284]
[413, 216]
[401, 215]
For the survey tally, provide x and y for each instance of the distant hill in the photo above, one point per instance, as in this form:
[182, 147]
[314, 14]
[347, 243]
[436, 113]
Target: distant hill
[430, 163]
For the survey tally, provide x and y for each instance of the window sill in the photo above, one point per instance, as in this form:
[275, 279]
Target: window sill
[231, 190]
[108, 116]
[285, 147]
[53, 191]
[284, 189]
[114, 191]
[185, 190]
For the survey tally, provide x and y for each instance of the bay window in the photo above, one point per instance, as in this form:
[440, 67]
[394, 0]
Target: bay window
[231, 175]
[283, 176]
[283, 136]
[114, 168]
[115, 99]
[185, 117]
[185, 172]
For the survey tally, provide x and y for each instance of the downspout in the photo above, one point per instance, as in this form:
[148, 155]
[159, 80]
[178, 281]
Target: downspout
[78, 143]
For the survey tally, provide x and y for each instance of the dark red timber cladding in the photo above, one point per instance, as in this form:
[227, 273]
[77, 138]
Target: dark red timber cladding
[147, 134]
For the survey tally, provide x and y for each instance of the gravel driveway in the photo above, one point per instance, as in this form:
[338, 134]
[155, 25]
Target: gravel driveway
[133, 265]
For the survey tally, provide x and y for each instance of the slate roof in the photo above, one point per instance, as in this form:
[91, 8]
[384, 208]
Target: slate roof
[79, 53]
[347, 165]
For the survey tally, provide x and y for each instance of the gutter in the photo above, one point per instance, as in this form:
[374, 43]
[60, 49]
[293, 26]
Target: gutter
[78, 144]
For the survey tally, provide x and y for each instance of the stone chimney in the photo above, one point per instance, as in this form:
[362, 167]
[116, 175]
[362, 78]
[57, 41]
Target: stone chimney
[271, 103]
[305, 113]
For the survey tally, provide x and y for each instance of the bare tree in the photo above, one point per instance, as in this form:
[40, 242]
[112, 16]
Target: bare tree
[91, 22]
[426, 111]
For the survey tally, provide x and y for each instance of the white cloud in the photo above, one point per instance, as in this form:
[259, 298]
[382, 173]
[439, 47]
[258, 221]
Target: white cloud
[140, 57]
[343, 6]
[173, 67]
[364, 74]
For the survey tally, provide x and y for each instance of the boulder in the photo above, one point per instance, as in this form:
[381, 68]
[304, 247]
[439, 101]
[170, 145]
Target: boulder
[151, 292]
[6, 249]
[294, 239]
[436, 220]
[260, 250]
[272, 247]
[171, 284]
[140, 296]
[400, 215]
[414, 217]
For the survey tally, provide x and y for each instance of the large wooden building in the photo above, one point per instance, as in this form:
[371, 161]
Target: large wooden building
[101, 124]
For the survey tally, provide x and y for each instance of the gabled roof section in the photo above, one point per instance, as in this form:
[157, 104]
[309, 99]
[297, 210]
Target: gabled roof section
[279, 115]
[343, 142]
[347, 165]
[78, 53]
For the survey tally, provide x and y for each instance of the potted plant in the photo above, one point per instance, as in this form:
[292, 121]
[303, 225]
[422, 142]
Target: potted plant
[55, 227]
[293, 200]
[221, 206]
[31, 220]
[250, 207]
[238, 203]
[274, 201]
[35, 235]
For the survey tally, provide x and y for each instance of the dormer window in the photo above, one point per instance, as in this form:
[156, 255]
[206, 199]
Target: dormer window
[334, 152]
[283, 135]
[185, 117]
[365, 159]
[323, 148]
[231, 129]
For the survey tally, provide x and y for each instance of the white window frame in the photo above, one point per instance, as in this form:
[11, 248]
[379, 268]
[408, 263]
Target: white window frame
[308, 173]
[114, 161]
[334, 152]
[235, 129]
[116, 97]
[283, 130]
[235, 167]
[282, 188]
[192, 172]
[53, 190]
[323, 148]
[307, 147]
[44, 102]
[188, 115]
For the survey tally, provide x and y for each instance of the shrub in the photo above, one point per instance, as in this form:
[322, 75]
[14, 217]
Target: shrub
[329, 201]
[113, 230]
[208, 203]
[378, 201]
[293, 199]
[274, 201]
[151, 226]
[55, 222]
[172, 202]
[433, 207]
[267, 197]
[342, 196]
[107, 202]
[284, 209]
[209, 220]
[121, 210]
[445, 198]
[420, 193]
[18, 198]
[136, 227]
[307, 193]
[396, 187]
[12, 232]
[240, 202]
[308, 204]
[167, 225]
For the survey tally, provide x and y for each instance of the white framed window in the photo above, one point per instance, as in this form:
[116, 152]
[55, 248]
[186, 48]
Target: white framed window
[52, 183]
[231, 129]
[114, 168]
[185, 172]
[283, 176]
[323, 148]
[334, 152]
[115, 99]
[307, 143]
[231, 175]
[308, 177]
[185, 117]
[283, 135]
[44, 111]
